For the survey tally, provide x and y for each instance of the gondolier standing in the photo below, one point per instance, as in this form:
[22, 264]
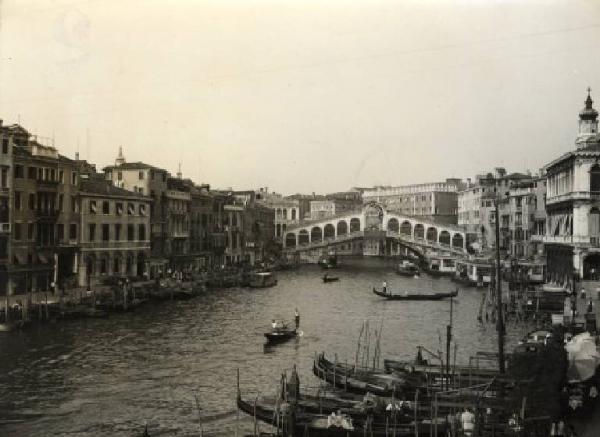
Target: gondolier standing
[297, 318]
[384, 286]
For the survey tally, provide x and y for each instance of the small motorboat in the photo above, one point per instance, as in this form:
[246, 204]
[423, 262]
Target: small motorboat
[328, 278]
[415, 296]
[280, 335]
[407, 268]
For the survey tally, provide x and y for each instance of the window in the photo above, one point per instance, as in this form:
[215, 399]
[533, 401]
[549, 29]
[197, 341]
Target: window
[141, 175]
[73, 178]
[142, 209]
[106, 207]
[142, 232]
[19, 173]
[105, 232]
[118, 232]
[5, 146]
[61, 176]
[130, 233]
[31, 172]
[74, 205]
[119, 208]
[17, 232]
[31, 201]
[30, 231]
[130, 209]
[4, 181]
[92, 233]
[103, 266]
[60, 229]
[18, 200]
[61, 198]
[116, 266]
[119, 175]
[92, 207]
[73, 231]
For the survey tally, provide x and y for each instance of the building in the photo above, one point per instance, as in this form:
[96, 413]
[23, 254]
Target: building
[114, 240]
[249, 228]
[287, 212]
[6, 174]
[523, 216]
[437, 201]
[45, 211]
[477, 210]
[147, 180]
[572, 237]
[304, 203]
[335, 204]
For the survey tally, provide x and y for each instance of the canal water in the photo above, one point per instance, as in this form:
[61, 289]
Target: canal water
[110, 377]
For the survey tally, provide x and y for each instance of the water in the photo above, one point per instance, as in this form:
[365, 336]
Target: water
[110, 377]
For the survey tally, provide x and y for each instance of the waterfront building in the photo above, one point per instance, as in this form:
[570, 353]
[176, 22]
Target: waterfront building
[45, 216]
[6, 173]
[572, 237]
[147, 180]
[287, 212]
[249, 227]
[523, 217]
[437, 201]
[114, 237]
[476, 207]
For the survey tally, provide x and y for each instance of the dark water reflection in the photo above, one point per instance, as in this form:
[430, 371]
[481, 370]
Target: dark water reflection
[109, 377]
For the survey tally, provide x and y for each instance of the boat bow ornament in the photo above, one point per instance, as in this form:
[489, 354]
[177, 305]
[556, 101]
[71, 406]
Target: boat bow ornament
[375, 223]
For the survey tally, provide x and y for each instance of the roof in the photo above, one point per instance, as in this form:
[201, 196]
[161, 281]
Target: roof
[97, 185]
[134, 166]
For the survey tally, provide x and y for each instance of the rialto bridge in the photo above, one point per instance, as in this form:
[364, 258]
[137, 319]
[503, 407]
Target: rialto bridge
[375, 231]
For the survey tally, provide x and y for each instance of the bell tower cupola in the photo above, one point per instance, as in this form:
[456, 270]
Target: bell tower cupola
[588, 121]
[120, 159]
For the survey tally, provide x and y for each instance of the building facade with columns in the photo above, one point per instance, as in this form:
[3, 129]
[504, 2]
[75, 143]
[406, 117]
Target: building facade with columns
[572, 237]
[115, 232]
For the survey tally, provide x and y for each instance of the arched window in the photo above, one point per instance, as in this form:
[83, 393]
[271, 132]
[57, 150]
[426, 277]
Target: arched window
[595, 178]
[293, 214]
[594, 222]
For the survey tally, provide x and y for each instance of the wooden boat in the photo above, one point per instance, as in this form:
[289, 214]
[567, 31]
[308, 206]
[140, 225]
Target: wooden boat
[328, 261]
[262, 280]
[414, 296]
[280, 335]
[330, 279]
[316, 425]
[407, 268]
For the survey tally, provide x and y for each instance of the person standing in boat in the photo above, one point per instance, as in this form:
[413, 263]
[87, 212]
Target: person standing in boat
[297, 318]
[384, 286]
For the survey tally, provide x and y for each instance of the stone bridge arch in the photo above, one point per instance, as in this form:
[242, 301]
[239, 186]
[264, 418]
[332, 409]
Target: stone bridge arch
[342, 227]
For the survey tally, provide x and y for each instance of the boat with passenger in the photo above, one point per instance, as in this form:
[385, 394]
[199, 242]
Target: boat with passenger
[408, 268]
[441, 265]
[262, 280]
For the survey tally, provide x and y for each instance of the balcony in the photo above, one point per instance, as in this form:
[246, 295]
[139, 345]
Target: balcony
[573, 195]
[4, 191]
[180, 234]
[47, 183]
[4, 228]
[46, 214]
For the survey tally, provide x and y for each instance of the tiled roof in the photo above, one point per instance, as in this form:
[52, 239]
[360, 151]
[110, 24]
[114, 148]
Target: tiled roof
[98, 185]
[133, 166]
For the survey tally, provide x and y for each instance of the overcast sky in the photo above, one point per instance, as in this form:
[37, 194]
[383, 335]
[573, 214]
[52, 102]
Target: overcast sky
[303, 96]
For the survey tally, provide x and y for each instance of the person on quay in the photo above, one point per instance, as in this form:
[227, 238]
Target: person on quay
[297, 318]
[467, 419]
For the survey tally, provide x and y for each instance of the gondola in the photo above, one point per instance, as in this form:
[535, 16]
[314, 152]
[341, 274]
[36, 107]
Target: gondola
[412, 296]
[330, 279]
[280, 335]
[316, 425]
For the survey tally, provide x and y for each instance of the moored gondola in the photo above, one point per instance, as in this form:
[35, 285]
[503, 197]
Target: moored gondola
[413, 296]
[328, 278]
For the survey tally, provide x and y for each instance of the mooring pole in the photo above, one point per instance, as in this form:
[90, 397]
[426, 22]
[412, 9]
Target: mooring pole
[500, 321]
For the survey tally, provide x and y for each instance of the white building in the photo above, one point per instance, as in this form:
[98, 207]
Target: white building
[573, 204]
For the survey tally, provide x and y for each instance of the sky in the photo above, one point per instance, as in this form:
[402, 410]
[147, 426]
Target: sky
[306, 95]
